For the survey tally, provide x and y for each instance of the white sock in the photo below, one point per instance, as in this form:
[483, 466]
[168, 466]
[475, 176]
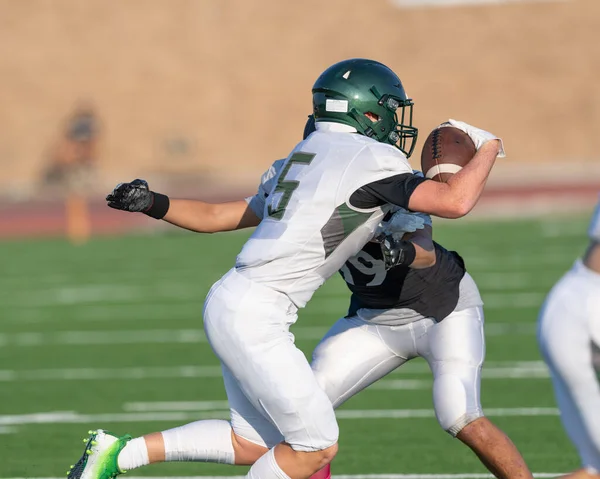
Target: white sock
[204, 441]
[267, 468]
[134, 454]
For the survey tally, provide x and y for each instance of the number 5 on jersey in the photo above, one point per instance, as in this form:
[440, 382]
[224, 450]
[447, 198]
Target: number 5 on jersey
[285, 188]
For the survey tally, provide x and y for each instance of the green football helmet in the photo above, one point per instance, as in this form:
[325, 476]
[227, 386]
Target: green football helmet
[348, 90]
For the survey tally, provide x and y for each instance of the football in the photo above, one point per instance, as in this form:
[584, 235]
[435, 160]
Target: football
[445, 152]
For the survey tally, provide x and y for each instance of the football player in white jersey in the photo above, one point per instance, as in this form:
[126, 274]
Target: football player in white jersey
[325, 203]
[569, 339]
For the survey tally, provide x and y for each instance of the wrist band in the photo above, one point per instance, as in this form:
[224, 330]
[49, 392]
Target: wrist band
[408, 253]
[159, 207]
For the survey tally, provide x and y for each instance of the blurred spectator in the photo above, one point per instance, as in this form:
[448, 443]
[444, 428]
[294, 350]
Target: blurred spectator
[72, 169]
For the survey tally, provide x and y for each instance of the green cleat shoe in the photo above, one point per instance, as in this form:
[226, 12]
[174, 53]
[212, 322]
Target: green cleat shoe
[99, 460]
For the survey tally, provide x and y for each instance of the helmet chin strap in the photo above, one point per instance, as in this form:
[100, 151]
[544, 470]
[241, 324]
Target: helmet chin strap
[366, 128]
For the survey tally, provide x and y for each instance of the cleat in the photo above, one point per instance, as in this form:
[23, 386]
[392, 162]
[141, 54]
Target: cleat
[99, 459]
[86, 439]
[90, 432]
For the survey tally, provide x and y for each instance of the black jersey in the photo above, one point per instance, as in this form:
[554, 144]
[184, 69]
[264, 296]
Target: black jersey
[431, 292]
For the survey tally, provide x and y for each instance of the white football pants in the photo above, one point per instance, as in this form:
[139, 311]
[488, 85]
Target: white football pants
[356, 353]
[569, 325]
[272, 391]
[353, 355]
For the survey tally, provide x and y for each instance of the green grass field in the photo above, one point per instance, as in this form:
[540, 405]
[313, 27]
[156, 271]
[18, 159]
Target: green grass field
[110, 335]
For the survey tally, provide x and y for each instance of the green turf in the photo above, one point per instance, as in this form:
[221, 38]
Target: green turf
[131, 301]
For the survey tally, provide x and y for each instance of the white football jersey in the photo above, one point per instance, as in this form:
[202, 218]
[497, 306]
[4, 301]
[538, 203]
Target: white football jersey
[594, 229]
[308, 228]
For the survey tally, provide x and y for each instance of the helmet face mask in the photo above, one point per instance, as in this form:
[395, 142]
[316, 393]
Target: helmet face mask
[406, 133]
[354, 91]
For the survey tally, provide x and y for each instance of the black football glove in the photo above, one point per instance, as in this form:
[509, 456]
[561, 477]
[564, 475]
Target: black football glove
[396, 252]
[134, 197]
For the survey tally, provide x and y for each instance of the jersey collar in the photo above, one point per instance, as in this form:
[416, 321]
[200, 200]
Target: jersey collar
[325, 126]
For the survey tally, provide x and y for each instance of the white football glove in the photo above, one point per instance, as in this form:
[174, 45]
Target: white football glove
[479, 136]
[402, 222]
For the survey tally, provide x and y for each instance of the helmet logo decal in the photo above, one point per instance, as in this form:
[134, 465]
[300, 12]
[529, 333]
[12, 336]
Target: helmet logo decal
[337, 106]
[346, 75]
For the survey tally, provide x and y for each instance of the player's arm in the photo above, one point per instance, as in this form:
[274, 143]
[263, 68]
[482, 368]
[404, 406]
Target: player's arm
[415, 250]
[204, 217]
[193, 215]
[460, 193]
[452, 199]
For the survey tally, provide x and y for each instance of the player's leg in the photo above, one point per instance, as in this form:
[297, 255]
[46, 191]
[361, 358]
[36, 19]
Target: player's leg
[241, 441]
[217, 441]
[248, 327]
[354, 354]
[568, 334]
[455, 350]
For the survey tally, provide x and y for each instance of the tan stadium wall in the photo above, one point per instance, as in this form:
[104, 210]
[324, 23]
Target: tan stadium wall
[222, 87]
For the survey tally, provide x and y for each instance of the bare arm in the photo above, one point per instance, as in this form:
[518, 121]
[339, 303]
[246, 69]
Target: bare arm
[194, 215]
[423, 243]
[459, 195]
[204, 217]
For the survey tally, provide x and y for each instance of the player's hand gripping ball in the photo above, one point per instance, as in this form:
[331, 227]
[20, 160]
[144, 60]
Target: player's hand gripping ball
[446, 150]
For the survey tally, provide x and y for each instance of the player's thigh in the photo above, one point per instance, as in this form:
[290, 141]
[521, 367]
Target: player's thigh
[577, 414]
[246, 420]
[352, 355]
[284, 387]
[565, 336]
[248, 327]
[455, 350]
[567, 328]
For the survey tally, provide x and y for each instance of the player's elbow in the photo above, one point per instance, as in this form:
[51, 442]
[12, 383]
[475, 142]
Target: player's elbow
[459, 208]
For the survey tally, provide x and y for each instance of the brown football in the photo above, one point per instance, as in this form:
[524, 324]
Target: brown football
[445, 152]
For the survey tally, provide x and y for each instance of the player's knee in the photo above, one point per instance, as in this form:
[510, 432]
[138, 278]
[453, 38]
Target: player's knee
[246, 452]
[462, 423]
[456, 406]
[327, 455]
[319, 459]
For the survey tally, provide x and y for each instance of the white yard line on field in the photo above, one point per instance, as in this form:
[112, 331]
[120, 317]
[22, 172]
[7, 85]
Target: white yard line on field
[512, 300]
[177, 336]
[124, 306]
[105, 313]
[401, 384]
[72, 417]
[103, 337]
[78, 374]
[491, 370]
[119, 337]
